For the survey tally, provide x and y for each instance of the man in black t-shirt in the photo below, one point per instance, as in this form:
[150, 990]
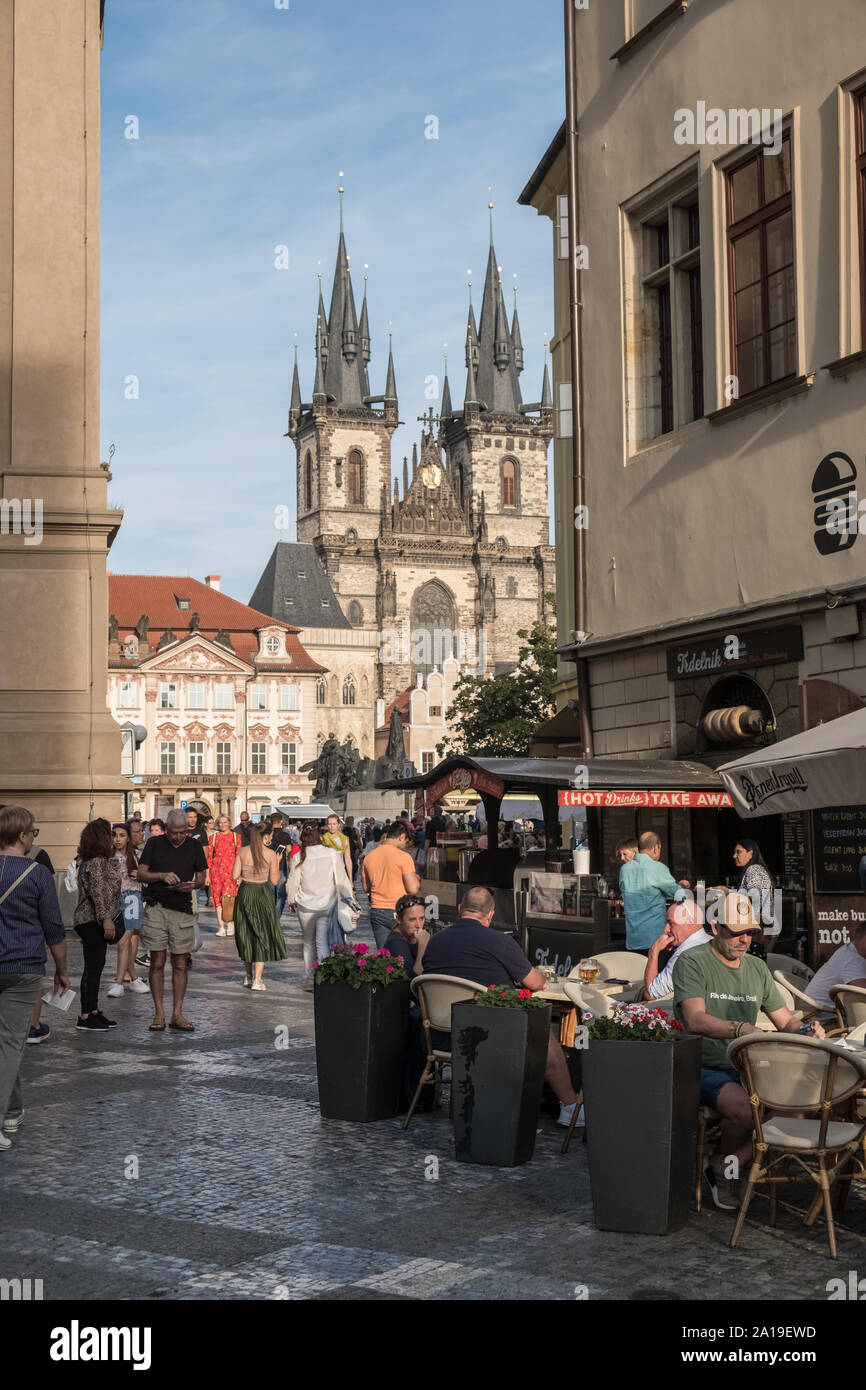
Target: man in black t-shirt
[280, 838]
[434, 826]
[471, 950]
[172, 867]
[244, 827]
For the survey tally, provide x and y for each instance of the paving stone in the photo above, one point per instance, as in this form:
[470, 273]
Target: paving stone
[244, 1192]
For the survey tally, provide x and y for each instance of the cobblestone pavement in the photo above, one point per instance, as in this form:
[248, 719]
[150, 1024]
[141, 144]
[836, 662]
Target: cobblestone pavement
[243, 1191]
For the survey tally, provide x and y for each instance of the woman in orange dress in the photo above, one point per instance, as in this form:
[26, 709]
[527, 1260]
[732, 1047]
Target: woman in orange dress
[224, 845]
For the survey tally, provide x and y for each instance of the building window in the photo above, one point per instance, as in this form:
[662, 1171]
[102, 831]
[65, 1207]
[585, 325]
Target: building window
[288, 759]
[349, 691]
[223, 759]
[258, 758]
[761, 269]
[427, 762]
[167, 695]
[288, 697]
[511, 588]
[860, 125]
[356, 478]
[666, 348]
[321, 692]
[195, 695]
[308, 482]
[273, 645]
[224, 696]
[196, 758]
[128, 694]
[182, 603]
[167, 759]
[258, 697]
[509, 483]
[356, 617]
[435, 711]
[562, 227]
[563, 410]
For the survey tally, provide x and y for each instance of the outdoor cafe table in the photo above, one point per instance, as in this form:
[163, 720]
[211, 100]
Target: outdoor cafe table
[566, 1010]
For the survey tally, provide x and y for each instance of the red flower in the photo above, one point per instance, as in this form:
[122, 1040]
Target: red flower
[491, 986]
[524, 994]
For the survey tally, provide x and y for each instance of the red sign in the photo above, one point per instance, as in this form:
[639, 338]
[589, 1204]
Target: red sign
[461, 779]
[669, 799]
[420, 807]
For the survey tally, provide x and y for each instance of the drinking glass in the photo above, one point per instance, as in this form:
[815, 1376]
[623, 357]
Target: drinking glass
[588, 971]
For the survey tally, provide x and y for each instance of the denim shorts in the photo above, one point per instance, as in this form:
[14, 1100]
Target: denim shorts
[712, 1081]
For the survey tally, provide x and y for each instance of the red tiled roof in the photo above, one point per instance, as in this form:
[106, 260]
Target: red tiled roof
[156, 595]
[401, 705]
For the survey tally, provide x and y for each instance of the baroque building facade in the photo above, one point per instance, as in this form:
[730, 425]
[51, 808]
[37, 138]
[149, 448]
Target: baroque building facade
[450, 559]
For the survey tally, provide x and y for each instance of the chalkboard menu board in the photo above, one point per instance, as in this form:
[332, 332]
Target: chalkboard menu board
[840, 841]
[792, 847]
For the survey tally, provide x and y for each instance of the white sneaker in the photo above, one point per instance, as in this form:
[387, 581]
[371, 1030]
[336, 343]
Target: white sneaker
[4, 1142]
[221, 931]
[247, 981]
[11, 1126]
[138, 986]
[230, 931]
[258, 985]
[565, 1114]
[115, 991]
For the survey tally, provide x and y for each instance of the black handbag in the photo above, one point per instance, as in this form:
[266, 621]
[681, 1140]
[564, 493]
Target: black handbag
[119, 928]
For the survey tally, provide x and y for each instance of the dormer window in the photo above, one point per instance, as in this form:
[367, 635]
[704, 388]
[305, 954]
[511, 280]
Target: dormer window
[182, 603]
[273, 645]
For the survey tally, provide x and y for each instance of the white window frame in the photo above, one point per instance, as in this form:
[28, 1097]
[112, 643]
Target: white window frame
[427, 753]
[288, 759]
[562, 226]
[563, 410]
[289, 698]
[220, 701]
[258, 754]
[223, 756]
[258, 697]
[200, 689]
[128, 696]
[168, 754]
[167, 695]
[195, 751]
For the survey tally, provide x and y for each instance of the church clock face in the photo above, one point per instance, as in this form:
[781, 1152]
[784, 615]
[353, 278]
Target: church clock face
[431, 475]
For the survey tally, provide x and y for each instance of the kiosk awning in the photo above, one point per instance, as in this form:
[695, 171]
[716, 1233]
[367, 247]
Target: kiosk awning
[587, 782]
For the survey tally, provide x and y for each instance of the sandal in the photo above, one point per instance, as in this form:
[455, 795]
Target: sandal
[183, 1027]
[156, 1028]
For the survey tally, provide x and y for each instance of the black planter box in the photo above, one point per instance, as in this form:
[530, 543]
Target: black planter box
[497, 1074]
[641, 1102]
[360, 1049]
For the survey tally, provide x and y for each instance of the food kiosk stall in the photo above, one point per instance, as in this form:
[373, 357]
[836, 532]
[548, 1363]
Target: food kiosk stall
[558, 915]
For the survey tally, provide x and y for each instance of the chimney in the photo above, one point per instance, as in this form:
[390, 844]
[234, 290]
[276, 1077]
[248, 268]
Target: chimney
[213, 581]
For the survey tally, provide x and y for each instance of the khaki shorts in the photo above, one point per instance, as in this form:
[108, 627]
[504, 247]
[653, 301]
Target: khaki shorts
[163, 929]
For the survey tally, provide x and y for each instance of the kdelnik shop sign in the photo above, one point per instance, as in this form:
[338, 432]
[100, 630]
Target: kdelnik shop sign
[731, 651]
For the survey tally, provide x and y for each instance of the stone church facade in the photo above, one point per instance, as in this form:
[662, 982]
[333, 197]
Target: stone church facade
[452, 558]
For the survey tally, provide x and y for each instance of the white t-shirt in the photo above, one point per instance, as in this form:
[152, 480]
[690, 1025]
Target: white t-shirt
[319, 880]
[844, 965]
[664, 983]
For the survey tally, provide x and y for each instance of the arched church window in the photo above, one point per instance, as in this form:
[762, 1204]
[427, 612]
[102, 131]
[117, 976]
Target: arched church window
[349, 690]
[433, 625]
[351, 534]
[458, 474]
[356, 478]
[308, 482]
[321, 692]
[356, 617]
[509, 483]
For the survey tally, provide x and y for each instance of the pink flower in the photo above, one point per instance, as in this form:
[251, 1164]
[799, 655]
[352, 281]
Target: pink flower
[361, 963]
[316, 964]
[361, 949]
[390, 969]
[383, 952]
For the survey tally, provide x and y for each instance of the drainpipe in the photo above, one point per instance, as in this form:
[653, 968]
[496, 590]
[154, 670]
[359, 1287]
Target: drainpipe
[575, 308]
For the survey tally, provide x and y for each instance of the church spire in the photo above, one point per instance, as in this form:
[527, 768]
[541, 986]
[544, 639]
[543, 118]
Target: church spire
[295, 404]
[390, 380]
[322, 325]
[516, 340]
[496, 377]
[546, 393]
[405, 478]
[446, 410]
[365, 328]
[344, 366]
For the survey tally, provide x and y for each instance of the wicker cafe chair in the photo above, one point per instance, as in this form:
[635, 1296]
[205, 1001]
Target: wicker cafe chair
[787, 1075]
[850, 1004]
[803, 1003]
[791, 968]
[436, 994]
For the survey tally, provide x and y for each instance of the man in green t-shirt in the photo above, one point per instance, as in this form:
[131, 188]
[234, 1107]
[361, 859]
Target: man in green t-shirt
[719, 991]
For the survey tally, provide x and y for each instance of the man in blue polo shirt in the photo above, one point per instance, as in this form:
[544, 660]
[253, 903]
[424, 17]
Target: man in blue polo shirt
[470, 950]
[647, 886]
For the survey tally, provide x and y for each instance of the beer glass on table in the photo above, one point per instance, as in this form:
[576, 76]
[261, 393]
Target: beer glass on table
[588, 971]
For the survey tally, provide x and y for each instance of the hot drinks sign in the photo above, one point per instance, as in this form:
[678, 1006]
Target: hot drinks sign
[732, 651]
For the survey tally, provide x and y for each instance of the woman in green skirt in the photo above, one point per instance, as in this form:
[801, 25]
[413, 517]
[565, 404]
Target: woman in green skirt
[258, 934]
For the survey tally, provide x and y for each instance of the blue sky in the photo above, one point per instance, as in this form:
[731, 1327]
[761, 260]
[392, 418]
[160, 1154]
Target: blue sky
[246, 114]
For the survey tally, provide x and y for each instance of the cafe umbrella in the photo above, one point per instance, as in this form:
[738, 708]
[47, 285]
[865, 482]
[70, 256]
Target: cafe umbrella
[822, 767]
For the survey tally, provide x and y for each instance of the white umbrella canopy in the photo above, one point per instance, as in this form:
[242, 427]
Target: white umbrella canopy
[825, 766]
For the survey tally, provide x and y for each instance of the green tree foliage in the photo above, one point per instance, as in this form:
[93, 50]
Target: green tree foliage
[496, 716]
